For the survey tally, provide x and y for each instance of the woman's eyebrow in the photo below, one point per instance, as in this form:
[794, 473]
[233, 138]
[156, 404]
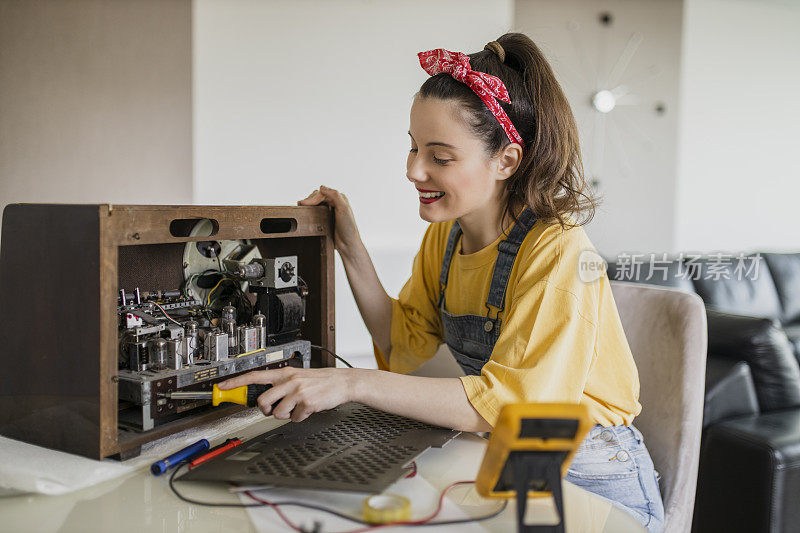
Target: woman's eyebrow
[436, 143]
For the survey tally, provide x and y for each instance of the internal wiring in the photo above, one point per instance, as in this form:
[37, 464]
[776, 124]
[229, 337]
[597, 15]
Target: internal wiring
[167, 315]
[208, 296]
[342, 359]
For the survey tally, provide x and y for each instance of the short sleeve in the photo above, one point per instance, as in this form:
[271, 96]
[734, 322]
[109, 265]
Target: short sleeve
[416, 329]
[546, 345]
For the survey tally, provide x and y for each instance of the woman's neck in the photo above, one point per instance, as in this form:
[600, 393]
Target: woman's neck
[482, 227]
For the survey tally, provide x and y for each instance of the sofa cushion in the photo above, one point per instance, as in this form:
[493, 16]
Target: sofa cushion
[652, 271]
[749, 474]
[785, 271]
[729, 390]
[793, 334]
[763, 345]
[725, 288]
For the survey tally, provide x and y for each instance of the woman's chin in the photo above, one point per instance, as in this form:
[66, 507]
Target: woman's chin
[426, 215]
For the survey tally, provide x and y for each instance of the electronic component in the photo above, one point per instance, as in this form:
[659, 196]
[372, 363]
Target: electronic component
[204, 257]
[135, 356]
[281, 297]
[172, 342]
[248, 338]
[192, 335]
[229, 328]
[260, 323]
[217, 346]
[142, 389]
[275, 273]
[175, 348]
[157, 351]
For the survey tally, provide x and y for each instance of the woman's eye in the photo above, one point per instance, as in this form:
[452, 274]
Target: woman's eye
[435, 159]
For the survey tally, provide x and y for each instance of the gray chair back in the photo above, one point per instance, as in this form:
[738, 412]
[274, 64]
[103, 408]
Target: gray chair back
[667, 334]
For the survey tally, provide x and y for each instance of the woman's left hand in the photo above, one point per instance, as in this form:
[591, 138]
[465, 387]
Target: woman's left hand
[301, 391]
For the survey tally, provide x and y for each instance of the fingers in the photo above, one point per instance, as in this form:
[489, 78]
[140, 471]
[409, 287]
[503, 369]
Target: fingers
[284, 409]
[273, 395]
[324, 194]
[264, 377]
[300, 413]
[335, 196]
[312, 199]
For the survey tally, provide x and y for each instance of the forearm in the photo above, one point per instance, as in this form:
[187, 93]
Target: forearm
[373, 303]
[414, 396]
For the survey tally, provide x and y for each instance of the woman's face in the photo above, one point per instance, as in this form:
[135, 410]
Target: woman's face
[446, 158]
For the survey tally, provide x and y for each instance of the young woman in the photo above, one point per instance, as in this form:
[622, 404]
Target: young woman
[496, 277]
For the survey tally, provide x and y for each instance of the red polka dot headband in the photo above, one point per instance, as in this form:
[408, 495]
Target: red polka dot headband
[489, 88]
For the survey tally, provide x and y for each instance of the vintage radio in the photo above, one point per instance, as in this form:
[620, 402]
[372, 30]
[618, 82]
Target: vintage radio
[105, 309]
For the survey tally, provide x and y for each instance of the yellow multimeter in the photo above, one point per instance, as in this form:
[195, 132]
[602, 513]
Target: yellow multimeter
[529, 451]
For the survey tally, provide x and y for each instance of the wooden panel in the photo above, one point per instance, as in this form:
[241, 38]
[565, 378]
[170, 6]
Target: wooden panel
[50, 336]
[109, 337]
[150, 224]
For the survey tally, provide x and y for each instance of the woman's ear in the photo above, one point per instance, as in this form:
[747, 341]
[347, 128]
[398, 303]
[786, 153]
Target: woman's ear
[508, 161]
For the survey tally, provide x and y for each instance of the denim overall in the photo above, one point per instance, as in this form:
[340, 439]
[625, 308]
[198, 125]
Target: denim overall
[612, 462]
[471, 338]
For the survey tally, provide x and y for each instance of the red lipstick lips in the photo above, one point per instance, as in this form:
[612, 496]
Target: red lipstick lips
[429, 200]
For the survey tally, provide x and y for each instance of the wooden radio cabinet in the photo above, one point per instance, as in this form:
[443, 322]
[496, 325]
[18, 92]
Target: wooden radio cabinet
[61, 271]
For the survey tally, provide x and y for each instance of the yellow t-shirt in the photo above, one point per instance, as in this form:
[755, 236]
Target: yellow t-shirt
[561, 338]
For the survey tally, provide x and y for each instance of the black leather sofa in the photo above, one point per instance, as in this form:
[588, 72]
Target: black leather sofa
[749, 474]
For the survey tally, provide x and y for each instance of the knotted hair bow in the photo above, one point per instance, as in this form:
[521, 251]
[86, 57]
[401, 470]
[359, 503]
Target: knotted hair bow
[488, 88]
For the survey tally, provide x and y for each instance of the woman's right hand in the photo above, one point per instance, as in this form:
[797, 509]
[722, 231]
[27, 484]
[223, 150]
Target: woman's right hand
[346, 236]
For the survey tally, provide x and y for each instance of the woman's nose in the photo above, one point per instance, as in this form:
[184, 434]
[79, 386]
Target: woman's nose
[415, 171]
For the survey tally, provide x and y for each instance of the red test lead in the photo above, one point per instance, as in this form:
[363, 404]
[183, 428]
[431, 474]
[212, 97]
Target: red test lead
[230, 443]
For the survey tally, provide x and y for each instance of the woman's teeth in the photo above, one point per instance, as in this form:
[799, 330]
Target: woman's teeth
[431, 194]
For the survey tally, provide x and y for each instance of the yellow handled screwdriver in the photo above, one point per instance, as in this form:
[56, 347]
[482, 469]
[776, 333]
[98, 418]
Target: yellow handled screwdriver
[244, 395]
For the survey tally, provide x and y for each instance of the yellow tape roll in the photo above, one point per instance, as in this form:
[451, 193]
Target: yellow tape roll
[383, 508]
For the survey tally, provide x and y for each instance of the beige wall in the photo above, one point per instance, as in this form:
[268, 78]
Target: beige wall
[95, 101]
[629, 152]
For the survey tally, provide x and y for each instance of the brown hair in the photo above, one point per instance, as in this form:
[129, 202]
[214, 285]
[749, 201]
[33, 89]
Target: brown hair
[550, 176]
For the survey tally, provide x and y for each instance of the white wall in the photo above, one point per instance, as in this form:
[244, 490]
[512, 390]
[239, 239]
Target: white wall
[739, 179]
[289, 95]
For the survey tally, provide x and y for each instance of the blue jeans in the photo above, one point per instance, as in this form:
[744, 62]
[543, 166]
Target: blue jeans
[614, 463]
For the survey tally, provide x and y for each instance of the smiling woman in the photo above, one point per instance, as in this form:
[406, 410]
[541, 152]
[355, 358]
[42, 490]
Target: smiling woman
[496, 162]
[447, 157]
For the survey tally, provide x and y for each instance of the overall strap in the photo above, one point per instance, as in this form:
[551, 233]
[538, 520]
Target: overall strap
[506, 254]
[455, 232]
